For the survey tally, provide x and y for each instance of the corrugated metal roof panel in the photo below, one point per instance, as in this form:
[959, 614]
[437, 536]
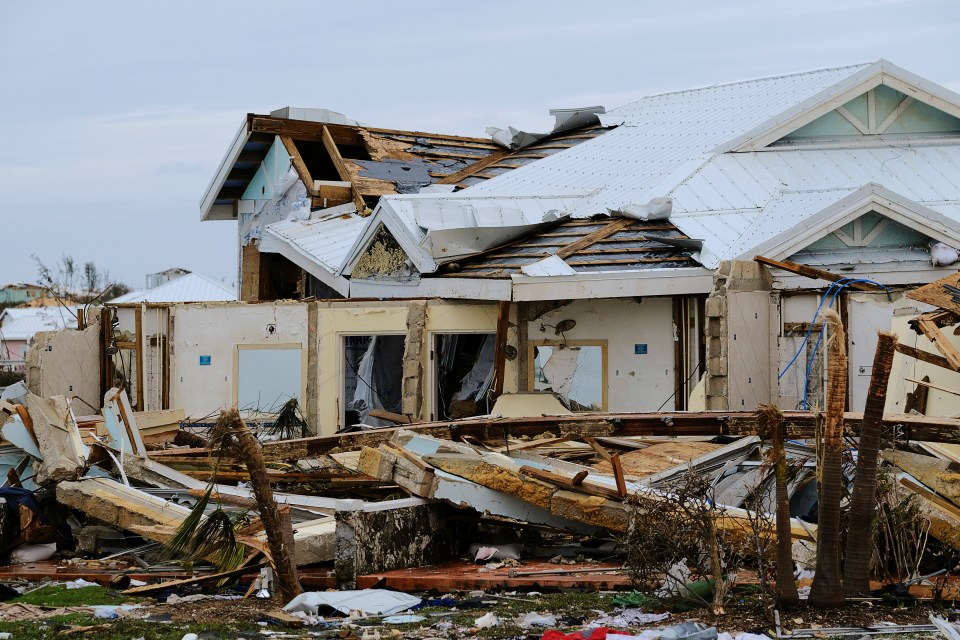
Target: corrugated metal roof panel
[193, 287]
[326, 241]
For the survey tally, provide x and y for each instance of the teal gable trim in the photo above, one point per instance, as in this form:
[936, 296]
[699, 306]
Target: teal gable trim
[269, 174]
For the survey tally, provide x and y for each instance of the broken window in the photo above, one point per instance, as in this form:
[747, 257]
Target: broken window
[463, 374]
[268, 376]
[574, 371]
[373, 376]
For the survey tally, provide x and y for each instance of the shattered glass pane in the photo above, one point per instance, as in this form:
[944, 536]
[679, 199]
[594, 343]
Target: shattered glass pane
[575, 374]
[373, 377]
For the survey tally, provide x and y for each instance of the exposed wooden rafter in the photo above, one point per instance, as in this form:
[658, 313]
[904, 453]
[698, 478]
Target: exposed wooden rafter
[342, 170]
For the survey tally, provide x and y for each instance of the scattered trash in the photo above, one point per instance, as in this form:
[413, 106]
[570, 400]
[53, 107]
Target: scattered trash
[487, 621]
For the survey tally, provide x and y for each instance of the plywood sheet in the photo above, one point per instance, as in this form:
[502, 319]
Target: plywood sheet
[659, 457]
[935, 294]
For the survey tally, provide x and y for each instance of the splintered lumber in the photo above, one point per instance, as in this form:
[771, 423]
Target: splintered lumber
[170, 584]
[387, 465]
[929, 328]
[659, 457]
[595, 501]
[940, 475]
[799, 424]
[925, 356]
[943, 515]
[937, 294]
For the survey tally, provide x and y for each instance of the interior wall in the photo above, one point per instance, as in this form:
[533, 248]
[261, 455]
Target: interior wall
[939, 403]
[641, 343]
[205, 337]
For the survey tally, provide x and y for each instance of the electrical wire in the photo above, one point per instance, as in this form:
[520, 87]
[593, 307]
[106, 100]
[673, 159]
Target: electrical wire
[832, 292]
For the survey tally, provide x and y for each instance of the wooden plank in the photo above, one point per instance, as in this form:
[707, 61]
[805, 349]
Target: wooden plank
[604, 454]
[917, 400]
[817, 274]
[298, 164]
[139, 329]
[587, 263]
[500, 348]
[941, 342]
[925, 383]
[383, 414]
[935, 293]
[618, 475]
[342, 171]
[925, 356]
[466, 172]
[162, 586]
[554, 478]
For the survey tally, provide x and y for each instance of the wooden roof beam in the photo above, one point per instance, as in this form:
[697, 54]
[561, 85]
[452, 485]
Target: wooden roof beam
[594, 236]
[342, 170]
[816, 274]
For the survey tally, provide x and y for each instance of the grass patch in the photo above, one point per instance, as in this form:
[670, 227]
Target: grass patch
[123, 629]
[59, 596]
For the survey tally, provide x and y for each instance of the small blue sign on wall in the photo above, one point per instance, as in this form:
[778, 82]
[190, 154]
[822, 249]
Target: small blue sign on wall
[640, 349]
[204, 361]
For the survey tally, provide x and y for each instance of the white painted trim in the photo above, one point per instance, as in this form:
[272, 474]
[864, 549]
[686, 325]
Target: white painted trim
[880, 72]
[450, 288]
[898, 274]
[870, 197]
[614, 284]
[209, 211]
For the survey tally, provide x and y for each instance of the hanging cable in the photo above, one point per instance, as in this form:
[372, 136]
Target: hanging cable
[832, 292]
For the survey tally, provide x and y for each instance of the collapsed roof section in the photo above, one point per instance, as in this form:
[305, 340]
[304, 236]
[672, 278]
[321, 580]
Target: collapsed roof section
[338, 160]
[570, 246]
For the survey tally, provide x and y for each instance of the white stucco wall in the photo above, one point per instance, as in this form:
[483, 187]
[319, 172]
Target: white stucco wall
[637, 382]
[215, 330]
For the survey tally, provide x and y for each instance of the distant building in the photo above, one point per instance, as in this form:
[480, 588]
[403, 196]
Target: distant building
[154, 280]
[18, 326]
[21, 293]
[192, 287]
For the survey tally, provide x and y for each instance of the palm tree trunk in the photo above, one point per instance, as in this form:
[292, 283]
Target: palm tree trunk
[771, 424]
[827, 589]
[856, 568]
[278, 540]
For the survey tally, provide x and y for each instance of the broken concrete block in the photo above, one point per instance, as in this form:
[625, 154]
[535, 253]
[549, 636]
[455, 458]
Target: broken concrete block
[59, 441]
[394, 535]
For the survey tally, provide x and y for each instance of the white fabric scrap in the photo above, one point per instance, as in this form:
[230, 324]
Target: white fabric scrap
[942, 255]
[370, 601]
[629, 618]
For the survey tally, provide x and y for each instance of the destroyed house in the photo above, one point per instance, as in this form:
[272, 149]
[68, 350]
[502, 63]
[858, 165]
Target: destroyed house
[609, 261]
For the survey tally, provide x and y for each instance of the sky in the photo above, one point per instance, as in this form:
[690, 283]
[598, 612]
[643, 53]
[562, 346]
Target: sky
[115, 115]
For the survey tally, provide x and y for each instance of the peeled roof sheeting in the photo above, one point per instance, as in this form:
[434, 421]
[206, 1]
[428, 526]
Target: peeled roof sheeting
[634, 247]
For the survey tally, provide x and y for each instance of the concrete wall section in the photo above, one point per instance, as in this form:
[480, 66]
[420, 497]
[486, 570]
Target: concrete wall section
[640, 343]
[205, 343]
[67, 363]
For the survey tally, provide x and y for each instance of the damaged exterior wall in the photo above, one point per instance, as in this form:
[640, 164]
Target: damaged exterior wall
[339, 319]
[67, 363]
[738, 325]
[205, 344]
[640, 346]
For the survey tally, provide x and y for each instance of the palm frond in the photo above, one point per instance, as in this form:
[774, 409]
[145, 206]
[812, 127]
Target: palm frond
[289, 423]
[209, 537]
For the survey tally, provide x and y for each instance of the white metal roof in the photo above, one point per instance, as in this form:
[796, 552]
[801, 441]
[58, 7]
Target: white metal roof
[678, 144]
[193, 287]
[320, 245]
[23, 323]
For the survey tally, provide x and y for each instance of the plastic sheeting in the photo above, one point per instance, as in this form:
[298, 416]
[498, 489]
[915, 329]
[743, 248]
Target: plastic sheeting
[369, 601]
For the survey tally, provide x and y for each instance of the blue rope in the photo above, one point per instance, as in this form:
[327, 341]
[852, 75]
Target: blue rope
[836, 288]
